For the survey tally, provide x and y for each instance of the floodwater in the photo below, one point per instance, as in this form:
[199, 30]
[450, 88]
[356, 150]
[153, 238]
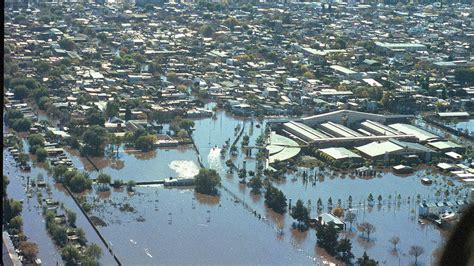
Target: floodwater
[185, 228]
[464, 126]
[138, 166]
[177, 226]
[33, 222]
[389, 218]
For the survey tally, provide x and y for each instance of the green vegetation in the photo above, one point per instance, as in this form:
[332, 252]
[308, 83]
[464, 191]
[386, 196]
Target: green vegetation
[366, 261]
[41, 154]
[94, 139]
[104, 180]
[29, 250]
[130, 185]
[11, 209]
[275, 199]
[206, 181]
[366, 228]
[181, 123]
[141, 140]
[256, 184]
[328, 240]
[118, 183]
[464, 75]
[145, 143]
[73, 179]
[300, 213]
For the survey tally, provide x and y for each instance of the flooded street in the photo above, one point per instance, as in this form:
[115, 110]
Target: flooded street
[33, 221]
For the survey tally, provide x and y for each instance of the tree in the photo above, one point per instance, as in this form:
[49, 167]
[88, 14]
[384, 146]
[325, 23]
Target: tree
[23, 158]
[255, 183]
[128, 114]
[112, 109]
[464, 75]
[13, 114]
[182, 134]
[186, 124]
[94, 139]
[41, 154]
[387, 99]
[94, 117]
[20, 91]
[366, 228]
[344, 250]
[275, 199]
[21, 125]
[366, 261]
[327, 238]
[394, 240]
[36, 139]
[308, 75]
[300, 212]
[104, 180]
[206, 181]
[145, 143]
[11, 209]
[338, 212]
[207, 30]
[29, 250]
[42, 67]
[70, 255]
[67, 44]
[370, 198]
[94, 251]
[89, 261]
[416, 251]
[117, 183]
[59, 171]
[16, 222]
[130, 185]
[71, 218]
[350, 217]
[79, 182]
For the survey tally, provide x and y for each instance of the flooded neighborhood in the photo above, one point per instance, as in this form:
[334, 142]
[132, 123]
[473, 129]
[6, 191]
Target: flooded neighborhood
[234, 132]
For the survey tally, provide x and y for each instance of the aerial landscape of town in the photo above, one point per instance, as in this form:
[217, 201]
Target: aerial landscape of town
[224, 132]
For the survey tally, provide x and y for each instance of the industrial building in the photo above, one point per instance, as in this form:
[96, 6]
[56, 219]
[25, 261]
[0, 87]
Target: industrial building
[381, 138]
[341, 155]
[445, 146]
[379, 150]
[422, 135]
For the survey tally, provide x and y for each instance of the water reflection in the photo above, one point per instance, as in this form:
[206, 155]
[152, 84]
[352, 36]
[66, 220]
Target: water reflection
[206, 199]
[117, 164]
[142, 155]
[299, 236]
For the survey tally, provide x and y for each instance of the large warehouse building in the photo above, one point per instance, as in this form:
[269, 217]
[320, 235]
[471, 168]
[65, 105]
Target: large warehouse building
[372, 136]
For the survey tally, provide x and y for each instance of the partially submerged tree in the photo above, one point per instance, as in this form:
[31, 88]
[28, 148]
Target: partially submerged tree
[416, 251]
[366, 228]
[394, 240]
[206, 181]
[300, 212]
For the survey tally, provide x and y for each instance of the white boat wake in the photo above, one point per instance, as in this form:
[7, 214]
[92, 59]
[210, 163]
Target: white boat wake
[148, 253]
[184, 168]
[214, 158]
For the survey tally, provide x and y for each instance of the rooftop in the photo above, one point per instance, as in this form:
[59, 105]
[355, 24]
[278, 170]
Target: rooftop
[340, 153]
